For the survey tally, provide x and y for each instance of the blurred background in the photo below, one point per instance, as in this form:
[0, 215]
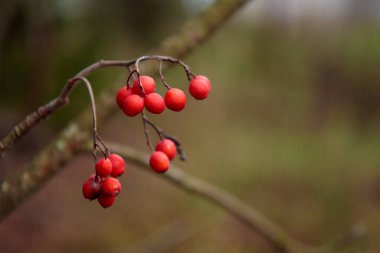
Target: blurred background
[291, 126]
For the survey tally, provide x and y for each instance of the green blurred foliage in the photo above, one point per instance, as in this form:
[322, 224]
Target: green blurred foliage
[291, 127]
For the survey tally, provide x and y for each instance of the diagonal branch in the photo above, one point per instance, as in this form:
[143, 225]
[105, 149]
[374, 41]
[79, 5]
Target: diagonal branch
[254, 220]
[67, 144]
[278, 238]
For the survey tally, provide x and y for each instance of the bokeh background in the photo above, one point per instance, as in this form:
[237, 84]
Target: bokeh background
[291, 126]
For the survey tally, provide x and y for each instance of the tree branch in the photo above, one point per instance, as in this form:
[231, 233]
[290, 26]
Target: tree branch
[62, 149]
[63, 98]
[278, 238]
[254, 220]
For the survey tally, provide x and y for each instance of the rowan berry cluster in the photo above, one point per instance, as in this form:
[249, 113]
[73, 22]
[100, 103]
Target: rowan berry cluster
[103, 185]
[132, 99]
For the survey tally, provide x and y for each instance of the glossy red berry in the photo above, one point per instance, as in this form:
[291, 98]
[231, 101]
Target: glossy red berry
[122, 94]
[175, 99]
[204, 78]
[91, 188]
[159, 161]
[106, 201]
[199, 88]
[133, 105]
[111, 187]
[154, 103]
[168, 147]
[103, 167]
[118, 165]
[147, 83]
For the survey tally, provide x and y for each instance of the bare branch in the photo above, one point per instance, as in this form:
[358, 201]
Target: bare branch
[44, 111]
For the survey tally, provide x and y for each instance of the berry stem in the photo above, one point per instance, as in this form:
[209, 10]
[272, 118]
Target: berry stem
[131, 72]
[93, 110]
[140, 84]
[146, 131]
[167, 86]
[106, 151]
[161, 58]
[95, 135]
[162, 135]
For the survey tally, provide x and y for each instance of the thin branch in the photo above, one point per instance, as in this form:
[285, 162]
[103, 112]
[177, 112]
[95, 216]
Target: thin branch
[44, 111]
[146, 131]
[93, 109]
[160, 58]
[131, 72]
[167, 86]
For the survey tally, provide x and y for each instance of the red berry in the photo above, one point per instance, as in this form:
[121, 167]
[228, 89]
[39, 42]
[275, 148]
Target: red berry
[199, 88]
[168, 147]
[111, 187]
[106, 201]
[118, 165]
[154, 103]
[159, 161]
[175, 99]
[133, 105]
[103, 167]
[147, 83]
[204, 78]
[91, 188]
[122, 94]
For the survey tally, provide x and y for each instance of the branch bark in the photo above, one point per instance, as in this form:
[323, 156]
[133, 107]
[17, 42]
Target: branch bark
[257, 222]
[62, 149]
[248, 215]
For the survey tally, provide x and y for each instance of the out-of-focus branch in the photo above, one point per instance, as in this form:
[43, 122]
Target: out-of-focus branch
[62, 149]
[255, 221]
[245, 213]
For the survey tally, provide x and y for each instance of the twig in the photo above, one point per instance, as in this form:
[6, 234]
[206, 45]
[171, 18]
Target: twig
[162, 135]
[167, 86]
[44, 111]
[93, 109]
[160, 58]
[146, 131]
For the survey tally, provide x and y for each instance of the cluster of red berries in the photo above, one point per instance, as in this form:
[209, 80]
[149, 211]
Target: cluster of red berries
[133, 100]
[163, 154]
[104, 185]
